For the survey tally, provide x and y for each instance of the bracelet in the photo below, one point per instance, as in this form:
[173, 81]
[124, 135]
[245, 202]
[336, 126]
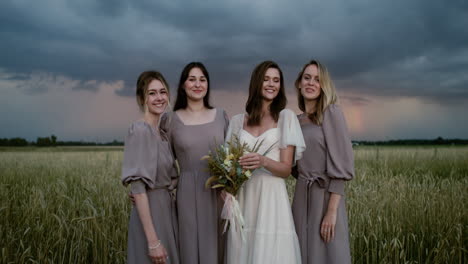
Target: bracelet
[156, 246]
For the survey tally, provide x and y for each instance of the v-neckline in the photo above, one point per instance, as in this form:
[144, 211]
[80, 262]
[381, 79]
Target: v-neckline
[243, 120]
[264, 132]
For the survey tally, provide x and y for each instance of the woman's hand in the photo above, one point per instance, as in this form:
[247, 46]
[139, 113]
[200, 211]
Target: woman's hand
[158, 255]
[131, 197]
[252, 161]
[223, 195]
[327, 229]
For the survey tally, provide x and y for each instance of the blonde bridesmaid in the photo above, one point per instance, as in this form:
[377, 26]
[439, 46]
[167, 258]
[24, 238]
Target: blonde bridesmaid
[319, 201]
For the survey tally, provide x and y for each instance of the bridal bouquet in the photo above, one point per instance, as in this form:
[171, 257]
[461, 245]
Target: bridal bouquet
[228, 175]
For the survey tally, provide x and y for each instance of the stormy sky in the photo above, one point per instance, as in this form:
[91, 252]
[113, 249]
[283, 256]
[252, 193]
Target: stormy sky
[69, 67]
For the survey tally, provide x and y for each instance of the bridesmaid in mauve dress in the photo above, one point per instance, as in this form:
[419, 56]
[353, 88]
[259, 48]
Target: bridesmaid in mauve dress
[319, 206]
[194, 129]
[148, 166]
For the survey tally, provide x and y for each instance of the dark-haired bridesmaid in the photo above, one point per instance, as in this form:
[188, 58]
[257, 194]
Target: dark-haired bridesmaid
[319, 206]
[148, 166]
[194, 128]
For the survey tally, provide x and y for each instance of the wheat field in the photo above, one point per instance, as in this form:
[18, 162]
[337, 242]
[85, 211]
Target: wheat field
[66, 205]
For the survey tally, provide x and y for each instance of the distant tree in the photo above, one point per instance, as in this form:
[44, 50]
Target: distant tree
[47, 141]
[114, 143]
[18, 142]
[53, 140]
[13, 142]
[439, 140]
[43, 142]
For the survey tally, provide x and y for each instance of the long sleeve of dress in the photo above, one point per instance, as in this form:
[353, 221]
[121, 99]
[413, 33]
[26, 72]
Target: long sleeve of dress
[139, 166]
[291, 133]
[340, 159]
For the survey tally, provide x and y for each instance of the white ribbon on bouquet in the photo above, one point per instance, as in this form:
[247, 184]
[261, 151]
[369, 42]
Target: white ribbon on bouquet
[233, 215]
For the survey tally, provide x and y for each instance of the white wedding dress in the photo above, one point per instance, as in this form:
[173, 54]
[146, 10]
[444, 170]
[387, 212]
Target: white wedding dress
[270, 236]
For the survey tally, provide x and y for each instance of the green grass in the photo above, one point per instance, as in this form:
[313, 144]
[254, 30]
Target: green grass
[66, 205]
[62, 207]
[408, 205]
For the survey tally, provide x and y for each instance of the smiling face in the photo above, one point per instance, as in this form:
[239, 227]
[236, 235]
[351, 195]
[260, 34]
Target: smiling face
[157, 97]
[310, 83]
[271, 84]
[196, 85]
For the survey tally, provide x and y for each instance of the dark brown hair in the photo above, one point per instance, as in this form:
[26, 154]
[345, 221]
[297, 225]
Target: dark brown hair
[327, 94]
[142, 84]
[255, 101]
[181, 100]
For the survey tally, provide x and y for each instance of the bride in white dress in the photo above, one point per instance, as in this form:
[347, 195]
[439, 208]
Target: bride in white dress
[270, 236]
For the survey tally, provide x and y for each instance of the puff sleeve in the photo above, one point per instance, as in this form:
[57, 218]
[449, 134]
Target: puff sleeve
[139, 166]
[340, 159]
[291, 133]
[235, 125]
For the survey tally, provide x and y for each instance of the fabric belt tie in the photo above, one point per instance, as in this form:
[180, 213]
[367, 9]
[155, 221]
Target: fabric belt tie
[310, 177]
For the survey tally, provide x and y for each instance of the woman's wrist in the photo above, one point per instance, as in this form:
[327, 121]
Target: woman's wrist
[332, 210]
[154, 245]
[333, 203]
[153, 240]
[263, 161]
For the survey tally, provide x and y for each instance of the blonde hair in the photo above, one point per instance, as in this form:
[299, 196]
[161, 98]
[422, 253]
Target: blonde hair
[327, 95]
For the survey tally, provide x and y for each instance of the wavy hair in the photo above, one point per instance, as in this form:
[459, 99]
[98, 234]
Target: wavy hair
[327, 95]
[255, 101]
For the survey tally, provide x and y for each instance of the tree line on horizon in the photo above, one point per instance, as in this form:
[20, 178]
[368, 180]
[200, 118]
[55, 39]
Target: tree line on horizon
[52, 141]
[413, 142]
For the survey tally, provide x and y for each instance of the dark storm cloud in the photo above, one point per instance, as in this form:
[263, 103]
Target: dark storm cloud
[15, 77]
[409, 48]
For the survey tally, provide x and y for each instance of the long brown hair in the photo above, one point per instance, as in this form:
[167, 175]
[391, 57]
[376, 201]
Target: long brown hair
[181, 99]
[327, 95]
[254, 104]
